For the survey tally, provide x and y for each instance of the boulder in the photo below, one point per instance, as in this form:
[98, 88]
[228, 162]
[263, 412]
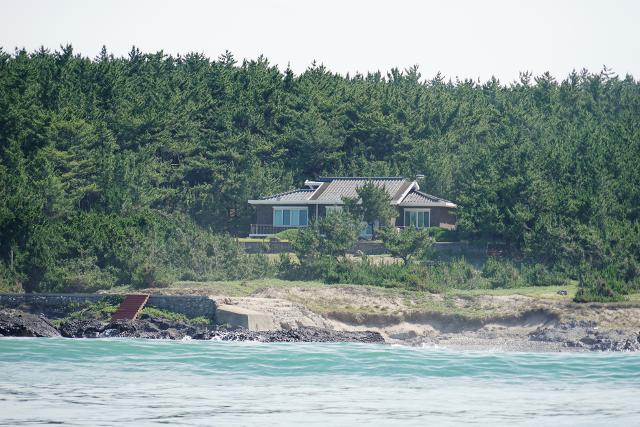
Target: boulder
[20, 324]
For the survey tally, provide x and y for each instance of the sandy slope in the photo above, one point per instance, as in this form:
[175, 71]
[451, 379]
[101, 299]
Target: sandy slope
[452, 321]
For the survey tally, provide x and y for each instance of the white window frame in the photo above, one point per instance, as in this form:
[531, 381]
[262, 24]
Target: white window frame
[290, 208]
[406, 210]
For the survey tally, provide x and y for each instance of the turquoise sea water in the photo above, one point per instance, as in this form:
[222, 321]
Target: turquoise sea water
[194, 383]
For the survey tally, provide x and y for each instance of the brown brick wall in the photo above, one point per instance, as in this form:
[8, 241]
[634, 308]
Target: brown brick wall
[440, 217]
[264, 213]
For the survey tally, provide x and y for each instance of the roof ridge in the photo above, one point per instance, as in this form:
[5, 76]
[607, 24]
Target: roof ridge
[304, 190]
[379, 178]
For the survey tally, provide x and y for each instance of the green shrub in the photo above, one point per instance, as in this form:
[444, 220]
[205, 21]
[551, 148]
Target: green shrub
[501, 274]
[143, 249]
[434, 277]
[372, 204]
[306, 243]
[151, 274]
[331, 270]
[172, 315]
[409, 243]
[112, 299]
[541, 275]
[289, 234]
[332, 235]
[100, 310]
[339, 232]
[10, 280]
[598, 287]
[444, 234]
[78, 275]
[456, 274]
[109, 304]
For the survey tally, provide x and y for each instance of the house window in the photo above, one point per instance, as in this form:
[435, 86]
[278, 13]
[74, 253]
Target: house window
[290, 217]
[418, 218]
[328, 210]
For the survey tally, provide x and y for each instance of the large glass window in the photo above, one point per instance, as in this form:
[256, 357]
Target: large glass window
[290, 217]
[417, 218]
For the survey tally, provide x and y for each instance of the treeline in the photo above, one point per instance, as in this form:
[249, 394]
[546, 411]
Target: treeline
[120, 145]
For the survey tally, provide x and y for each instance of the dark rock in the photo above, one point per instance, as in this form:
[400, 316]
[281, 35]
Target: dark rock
[303, 334]
[82, 328]
[16, 323]
[586, 335]
[589, 341]
[156, 328]
[19, 324]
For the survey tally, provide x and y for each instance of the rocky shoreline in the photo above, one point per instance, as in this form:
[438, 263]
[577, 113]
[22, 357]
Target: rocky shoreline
[586, 335]
[561, 336]
[15, 323]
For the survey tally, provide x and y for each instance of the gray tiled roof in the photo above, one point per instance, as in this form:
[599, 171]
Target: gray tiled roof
[337, 188]
[301, 196]
[333, 189]
[418, 198]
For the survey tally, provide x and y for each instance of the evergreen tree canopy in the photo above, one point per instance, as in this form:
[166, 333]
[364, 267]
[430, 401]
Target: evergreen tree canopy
[549, 166]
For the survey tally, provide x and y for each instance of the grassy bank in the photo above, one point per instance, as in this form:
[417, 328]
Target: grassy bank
[322, 298]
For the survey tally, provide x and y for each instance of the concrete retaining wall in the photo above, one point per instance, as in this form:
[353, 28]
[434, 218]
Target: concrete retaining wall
[368, 248]
[58, 305]
[235, 316]
[190, 306]
[266, 247]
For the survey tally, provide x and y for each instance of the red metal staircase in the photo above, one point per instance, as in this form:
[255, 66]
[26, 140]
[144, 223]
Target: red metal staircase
[130, 307]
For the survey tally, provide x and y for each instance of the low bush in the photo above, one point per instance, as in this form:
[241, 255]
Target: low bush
[100, 310]
[541, 275]
[289, 234]
[604, 285]
[171, 315]
[456, 274]
[109, 304]
[10, 281]
[331, 270]
[597, 287]
[506, 274]
[443, 234]
[502, 274]
[79, 275]
[432, 276]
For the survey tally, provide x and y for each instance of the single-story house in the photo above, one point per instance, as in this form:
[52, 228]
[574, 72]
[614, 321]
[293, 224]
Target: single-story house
[321, 196]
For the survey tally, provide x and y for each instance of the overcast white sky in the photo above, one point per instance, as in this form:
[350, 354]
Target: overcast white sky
[460, 38]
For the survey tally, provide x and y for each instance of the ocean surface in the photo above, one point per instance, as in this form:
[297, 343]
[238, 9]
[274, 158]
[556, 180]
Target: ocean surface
[194, 383]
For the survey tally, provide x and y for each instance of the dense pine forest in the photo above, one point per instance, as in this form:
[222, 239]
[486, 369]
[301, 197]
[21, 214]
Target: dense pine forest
[117, 170]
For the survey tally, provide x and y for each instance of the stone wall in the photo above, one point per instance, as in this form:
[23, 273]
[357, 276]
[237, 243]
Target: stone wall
[58, 305]
[190, 306]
